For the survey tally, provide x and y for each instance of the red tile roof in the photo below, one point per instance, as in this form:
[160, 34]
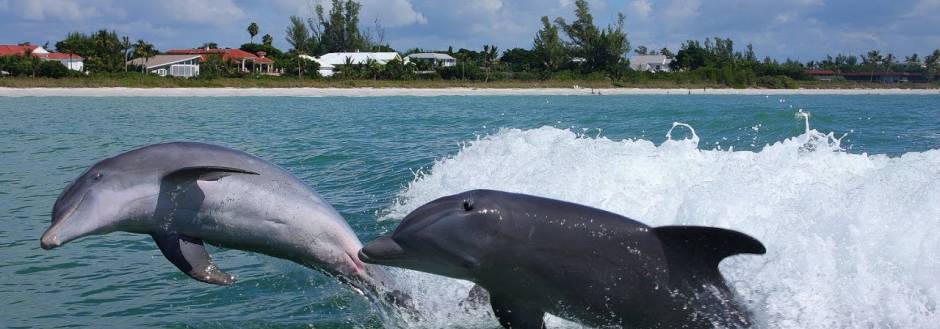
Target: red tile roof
[227, 54]
[17, 50]
[11, 50]
[60, 56]
[880, 74]
[821, 72]
[864, 74]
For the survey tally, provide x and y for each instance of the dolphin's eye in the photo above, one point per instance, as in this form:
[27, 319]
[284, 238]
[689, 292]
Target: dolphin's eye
[98, 176]
[467, 205]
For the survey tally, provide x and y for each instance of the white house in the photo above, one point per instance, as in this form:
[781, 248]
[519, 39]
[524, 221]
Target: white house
[326, 69]
[650, 63]
[331, 62]
[339, 59]
[71, 61]
[183, 66]
[436, 59]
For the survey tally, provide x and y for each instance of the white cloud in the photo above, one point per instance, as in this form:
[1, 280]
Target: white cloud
[490, 5]
[679, 11]
[924, 8]
[294, 7]
[641, 8]
[863, 37]
[65, 10]
[783, 17]
[217, 12]
[392, 13]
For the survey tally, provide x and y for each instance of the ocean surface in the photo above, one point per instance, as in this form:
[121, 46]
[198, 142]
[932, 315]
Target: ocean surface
[843, 190]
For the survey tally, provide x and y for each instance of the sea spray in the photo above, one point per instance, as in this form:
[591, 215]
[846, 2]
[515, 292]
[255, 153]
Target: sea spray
[851, 238]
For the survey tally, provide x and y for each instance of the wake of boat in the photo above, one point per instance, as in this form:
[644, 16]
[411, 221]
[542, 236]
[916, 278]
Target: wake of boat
[851, 238]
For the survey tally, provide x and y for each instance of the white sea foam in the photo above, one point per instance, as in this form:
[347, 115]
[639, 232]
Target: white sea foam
[852, 239]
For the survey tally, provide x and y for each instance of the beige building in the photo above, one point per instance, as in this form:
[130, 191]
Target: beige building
[181, 66]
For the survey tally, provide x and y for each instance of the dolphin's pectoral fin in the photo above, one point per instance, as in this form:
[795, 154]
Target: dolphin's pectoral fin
[696, 251]
[206, 173]
[190, 256]
[515, 315]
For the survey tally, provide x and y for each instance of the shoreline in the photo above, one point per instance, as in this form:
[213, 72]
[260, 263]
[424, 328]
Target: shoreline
[428, 92]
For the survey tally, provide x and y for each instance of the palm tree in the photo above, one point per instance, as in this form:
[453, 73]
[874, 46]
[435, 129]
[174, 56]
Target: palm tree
[889, 61]
[144, 50]
[126, 44]
[253, 31]
[349, 68]
[489, 56]
[298, 37]
[29, 58]
[873, 59]
[374, 68]
[931, 61]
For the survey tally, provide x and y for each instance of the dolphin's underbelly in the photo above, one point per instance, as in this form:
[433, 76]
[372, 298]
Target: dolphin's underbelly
[604, 283]
[618, 299]
[275, 218]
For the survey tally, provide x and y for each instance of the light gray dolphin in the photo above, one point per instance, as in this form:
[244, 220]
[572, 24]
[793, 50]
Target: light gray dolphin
[186, 194]
[536, 255]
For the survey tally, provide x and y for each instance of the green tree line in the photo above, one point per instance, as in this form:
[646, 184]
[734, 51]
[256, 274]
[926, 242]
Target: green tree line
[562, 49]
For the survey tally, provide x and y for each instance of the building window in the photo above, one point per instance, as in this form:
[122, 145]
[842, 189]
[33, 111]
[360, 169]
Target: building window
[184, 70]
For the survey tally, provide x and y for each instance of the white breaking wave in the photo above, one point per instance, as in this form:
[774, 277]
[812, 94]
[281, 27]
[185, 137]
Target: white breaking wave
[852, 239]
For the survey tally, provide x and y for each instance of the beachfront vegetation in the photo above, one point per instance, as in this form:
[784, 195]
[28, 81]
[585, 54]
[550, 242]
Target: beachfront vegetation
[103, 51]
[563, 53]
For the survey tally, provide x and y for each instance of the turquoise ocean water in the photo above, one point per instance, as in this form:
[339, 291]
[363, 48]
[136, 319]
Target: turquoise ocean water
[848, 206]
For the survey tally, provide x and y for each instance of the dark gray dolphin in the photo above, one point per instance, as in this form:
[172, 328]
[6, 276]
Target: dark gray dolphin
[536, 255]
[186, 194]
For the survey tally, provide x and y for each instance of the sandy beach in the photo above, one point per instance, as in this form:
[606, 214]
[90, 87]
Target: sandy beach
[379, 92]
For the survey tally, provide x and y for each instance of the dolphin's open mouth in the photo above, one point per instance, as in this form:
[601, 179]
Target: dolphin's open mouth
[382, 251]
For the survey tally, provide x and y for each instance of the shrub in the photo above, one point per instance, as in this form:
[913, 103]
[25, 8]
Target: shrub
[51, 69]
[776, 82]
[19, 65]
[527, 76]
[309, 69]
[569, 75]
[469, 71]
[397, 70]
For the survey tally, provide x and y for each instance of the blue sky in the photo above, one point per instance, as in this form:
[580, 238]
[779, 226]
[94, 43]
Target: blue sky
[801, 29]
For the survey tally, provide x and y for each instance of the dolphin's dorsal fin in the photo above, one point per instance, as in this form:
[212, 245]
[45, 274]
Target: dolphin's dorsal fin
[190, 256]
[697, 250]
[206, 173]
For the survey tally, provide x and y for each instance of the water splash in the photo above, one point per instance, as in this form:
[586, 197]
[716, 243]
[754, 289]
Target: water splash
[851, 238]
[805, 117]
[694, 138]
